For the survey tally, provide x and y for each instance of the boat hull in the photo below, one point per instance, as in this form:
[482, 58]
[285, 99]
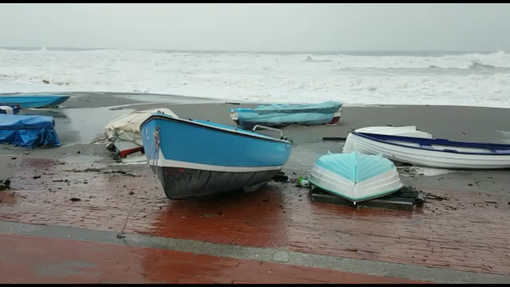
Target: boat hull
[284, 115]
[25, 102]
[376, 187]
[441, 157]
[197, 158]
[125, 148]
[9, 110]
[184, 183]
[355, 176]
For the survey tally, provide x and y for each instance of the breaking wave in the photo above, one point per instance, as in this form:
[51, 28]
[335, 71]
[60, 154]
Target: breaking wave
[464, 79]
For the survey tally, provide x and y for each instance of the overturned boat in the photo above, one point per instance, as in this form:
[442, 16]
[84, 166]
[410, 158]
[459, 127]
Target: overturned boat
[33, 101]
[421, 149]
[355, 176]
[278, 115]
[9, 165]
[28, 131]
[195, 158]
[123, 134]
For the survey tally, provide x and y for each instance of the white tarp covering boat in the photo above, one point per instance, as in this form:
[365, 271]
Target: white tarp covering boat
[403, 144]
[123, 133]
[355, 176]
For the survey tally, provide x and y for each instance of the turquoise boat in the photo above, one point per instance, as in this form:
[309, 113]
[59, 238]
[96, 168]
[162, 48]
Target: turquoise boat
[355, 176]
[280, 115]
[33, 101]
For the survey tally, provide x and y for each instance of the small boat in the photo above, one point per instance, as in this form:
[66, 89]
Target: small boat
[279, 115]
[123, 134]
[28, 131]
[35, 101]
[9, 165]
[355, 176]
[9, 110]
[194, 158]
[405, 131]
[422, 149]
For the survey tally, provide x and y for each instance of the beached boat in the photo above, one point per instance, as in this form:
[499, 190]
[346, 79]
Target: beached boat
[355, 176]
[422, 149]
[35, 101]
[9, 165]
[195, 158]
[278, 115]
[9, 110]
[28, 131]
[123, 134]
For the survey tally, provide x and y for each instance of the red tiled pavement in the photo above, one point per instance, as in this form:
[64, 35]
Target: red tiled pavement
[468, 232]
[28, 259]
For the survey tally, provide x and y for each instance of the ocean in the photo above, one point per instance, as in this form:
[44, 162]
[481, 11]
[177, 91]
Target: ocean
[366, 78]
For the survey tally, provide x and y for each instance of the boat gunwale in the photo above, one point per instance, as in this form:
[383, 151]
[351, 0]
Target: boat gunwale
[358, 200]
[286, 111]
[489, 146]
[233, 131]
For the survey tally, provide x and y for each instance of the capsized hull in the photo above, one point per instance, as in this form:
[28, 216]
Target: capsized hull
[26, 102]
[380, 186]
[355, 176]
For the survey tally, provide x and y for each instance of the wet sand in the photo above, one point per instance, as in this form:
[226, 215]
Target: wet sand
[80, 123]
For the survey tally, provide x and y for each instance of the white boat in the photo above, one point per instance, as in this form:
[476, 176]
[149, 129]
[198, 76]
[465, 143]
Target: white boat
[355, 176]
[9, 165]
[123, 133]
[421, 149]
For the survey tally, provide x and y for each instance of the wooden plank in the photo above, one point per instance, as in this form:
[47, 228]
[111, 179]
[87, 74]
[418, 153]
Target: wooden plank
[403, 200]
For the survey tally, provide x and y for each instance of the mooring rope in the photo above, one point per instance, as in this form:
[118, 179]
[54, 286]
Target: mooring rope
[155, 147]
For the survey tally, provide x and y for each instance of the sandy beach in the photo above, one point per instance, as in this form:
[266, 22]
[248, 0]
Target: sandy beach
[77, 191]
[80, 125]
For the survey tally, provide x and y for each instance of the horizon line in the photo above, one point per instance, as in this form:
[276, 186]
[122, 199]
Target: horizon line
[254, 51]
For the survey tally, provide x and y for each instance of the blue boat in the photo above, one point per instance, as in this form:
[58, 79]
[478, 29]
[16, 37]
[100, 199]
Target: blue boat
[35, 101]
[279, 115]
[28, 131]
[355, 176]
[194, 158]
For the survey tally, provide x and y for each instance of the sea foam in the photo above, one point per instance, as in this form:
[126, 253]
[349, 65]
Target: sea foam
[465, 79]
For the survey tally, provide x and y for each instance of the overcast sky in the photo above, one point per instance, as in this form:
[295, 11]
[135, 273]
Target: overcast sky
[258, 27]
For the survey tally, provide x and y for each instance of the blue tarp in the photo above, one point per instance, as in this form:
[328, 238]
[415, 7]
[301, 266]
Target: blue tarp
[28, 131]
[287, 114]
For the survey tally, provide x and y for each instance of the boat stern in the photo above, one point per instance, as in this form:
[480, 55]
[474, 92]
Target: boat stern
[336, 116]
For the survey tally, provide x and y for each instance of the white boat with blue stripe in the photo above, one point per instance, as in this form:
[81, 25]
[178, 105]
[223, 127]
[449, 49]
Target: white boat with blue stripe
[195, 158]
[421, 149]
[355, 176]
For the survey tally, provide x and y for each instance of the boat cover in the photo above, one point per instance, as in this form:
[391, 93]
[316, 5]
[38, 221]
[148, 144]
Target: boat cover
[280, 114]
[28, 131]
[127, 127]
